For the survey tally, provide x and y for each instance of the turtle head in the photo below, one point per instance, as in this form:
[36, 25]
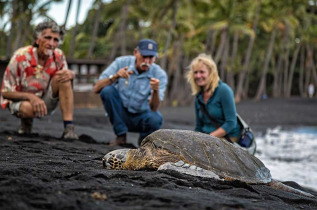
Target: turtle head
[115, 159]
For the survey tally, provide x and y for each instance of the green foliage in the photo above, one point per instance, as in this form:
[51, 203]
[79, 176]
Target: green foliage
[194, 20]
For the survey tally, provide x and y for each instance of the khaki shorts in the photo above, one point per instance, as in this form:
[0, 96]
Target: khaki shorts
[50, 102]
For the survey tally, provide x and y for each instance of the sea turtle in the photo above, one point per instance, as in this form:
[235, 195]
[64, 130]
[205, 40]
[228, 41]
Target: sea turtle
[196, 154]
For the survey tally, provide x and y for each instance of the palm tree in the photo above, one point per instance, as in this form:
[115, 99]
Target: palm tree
[74, 32]
[262, 86]
[67, 13]
[14, 13]
[245, 69]
[120, 34]
[95, 29]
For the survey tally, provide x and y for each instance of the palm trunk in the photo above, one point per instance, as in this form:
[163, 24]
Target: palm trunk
[209, 40]
[308, 68]
[26, 30]
[175, 96]
[314, 73]
[292, 69]
[114, 48]
[262, 86]
[246, 87]
[20, 23]
[221, 46]
[169, 36]
[286, 61]
[277, 77]
[67, 13]
[95, 31]
[301, 73]
[230, 78]
[117, 38]
[224, 60]
[123, 27]
[14, 4]
[74, 33]
[242, 74]
[212, 44]
[18, 34]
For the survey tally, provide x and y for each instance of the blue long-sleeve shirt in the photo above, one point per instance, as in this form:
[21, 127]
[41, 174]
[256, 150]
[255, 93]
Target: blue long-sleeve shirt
[222, 108]
[136, 94]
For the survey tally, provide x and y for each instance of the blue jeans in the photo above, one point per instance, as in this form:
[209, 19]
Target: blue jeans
[123, 121]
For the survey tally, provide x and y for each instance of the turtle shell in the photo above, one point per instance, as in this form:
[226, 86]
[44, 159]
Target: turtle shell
[225, 159]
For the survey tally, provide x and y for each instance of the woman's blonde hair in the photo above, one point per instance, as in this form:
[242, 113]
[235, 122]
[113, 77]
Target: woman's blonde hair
[213, 78]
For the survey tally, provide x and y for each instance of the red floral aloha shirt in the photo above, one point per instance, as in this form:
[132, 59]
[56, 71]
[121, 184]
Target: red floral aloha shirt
[24, 74]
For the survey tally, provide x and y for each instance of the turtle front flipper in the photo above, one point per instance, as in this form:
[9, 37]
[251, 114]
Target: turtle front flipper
[185, 168]
[115, 159]
[280, 186]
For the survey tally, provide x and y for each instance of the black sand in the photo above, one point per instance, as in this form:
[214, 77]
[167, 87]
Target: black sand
[43, 172]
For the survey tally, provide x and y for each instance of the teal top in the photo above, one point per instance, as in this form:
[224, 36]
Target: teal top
[221, 107]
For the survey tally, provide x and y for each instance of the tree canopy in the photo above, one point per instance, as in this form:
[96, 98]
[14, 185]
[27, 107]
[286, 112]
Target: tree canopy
[261, 47]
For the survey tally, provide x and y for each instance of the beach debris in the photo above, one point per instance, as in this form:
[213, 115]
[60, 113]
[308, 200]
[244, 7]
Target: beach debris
[99, 196]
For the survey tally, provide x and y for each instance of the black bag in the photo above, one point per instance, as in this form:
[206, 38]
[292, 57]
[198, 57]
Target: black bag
[247, 136]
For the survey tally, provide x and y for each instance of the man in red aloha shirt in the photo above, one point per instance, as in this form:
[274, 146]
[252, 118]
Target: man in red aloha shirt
[37, 78]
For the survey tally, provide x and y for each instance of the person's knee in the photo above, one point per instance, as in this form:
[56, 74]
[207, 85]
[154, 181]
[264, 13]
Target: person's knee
[26, 110]
[107, 92]
[154, 121]
[65, 85]
[60, 86]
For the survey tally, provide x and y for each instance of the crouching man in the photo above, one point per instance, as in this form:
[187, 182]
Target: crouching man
[131, 90]
[37, 78]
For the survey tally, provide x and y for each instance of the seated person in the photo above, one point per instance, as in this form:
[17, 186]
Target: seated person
[213, 96]
[131, 89]
[37, 78]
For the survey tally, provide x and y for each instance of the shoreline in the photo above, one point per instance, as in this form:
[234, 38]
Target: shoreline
[260, 116]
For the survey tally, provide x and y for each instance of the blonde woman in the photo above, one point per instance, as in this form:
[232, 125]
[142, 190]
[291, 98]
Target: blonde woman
[214, 97]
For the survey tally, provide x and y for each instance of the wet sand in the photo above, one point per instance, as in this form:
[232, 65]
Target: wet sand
[43, 172]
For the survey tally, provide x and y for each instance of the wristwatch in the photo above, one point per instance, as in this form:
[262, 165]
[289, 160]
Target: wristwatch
[111, 78]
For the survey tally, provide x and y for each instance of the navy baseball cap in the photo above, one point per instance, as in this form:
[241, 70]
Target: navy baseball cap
[147, 47]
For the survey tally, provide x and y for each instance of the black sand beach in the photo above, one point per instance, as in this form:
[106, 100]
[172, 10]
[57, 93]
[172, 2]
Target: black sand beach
[43, 172]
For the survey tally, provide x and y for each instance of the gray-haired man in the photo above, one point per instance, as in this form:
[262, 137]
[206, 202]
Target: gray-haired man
[36, 78]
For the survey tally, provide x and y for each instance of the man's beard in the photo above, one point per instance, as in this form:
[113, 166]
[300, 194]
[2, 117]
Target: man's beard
[145, 64]
[142, 65]
[48, 52]
[44, 54]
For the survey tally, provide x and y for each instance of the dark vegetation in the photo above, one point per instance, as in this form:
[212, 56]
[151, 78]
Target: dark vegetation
[261, 47]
